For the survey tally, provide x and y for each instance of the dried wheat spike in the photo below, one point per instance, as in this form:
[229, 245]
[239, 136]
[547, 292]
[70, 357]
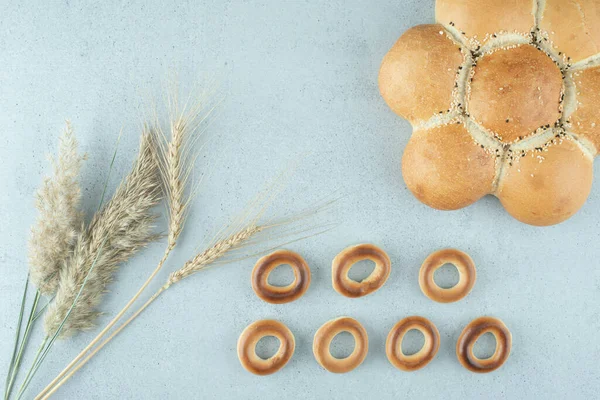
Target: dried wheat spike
[177, 155]
[213, 253]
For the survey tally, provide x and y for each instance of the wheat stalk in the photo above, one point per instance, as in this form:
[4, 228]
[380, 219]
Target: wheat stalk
[119, 230]
[60, 219]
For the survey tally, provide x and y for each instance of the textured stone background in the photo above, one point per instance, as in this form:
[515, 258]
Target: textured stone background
[301, 81]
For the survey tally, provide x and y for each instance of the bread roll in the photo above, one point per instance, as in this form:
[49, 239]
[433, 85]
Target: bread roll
[503, 97]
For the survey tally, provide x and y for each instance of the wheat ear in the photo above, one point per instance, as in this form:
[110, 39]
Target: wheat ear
[176, 158]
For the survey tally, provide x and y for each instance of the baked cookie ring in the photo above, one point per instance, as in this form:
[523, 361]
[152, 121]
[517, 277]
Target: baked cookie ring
[246, 346]
[280, 294]
[413, 362]
[350, 256]
[325, 335]
[466, 270]
[473, 331]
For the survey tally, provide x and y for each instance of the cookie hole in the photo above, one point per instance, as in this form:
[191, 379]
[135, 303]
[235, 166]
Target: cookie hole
[267, 347]
[282, 275]
[412, 342]
[485, 346]
[446, 276]
[342, 345]
[361, 270]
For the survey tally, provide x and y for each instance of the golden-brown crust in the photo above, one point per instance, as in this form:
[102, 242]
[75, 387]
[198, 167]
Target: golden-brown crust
[445, 169]
[480, 18]
[276, 294]
[585, 121]
[325, 335]
[528, 74]
[252, 334]
[515, 91]
[572, 27]
[473, 331]
[547, 187]
[405, 82]
[347, 258]
[466, 270]
[393, 344]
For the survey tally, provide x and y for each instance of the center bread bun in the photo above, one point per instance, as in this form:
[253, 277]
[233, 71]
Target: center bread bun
[503, 98]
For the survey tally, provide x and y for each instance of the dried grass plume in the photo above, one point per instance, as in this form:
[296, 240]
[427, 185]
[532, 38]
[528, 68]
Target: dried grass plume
[60, 218]
[115, 233]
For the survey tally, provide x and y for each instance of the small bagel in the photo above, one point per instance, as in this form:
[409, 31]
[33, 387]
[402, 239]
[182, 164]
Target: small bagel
[246, 346]
[325, 335]
[350, 256]
[466, 269]
[473, 331]
[393, 344]
[276, 294]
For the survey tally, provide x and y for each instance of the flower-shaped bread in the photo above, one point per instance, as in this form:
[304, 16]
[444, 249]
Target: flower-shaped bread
[504, 98]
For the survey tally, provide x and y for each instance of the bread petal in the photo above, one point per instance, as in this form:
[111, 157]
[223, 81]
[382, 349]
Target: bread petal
[515, 91]
[585, 121]
[446, 169]
[547, 187]
[417, 75]
[481, 18]
[572, 27]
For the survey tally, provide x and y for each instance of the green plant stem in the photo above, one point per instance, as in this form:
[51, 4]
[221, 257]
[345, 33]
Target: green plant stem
[36, 364]
[24, 341]
[29, 373]
[41, 310]
[17, 335]
[41, 356]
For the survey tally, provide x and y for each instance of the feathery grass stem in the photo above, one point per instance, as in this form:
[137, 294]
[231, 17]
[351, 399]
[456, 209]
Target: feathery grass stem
[126, 221]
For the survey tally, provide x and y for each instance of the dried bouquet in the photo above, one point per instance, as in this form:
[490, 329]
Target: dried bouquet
[71, 262]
